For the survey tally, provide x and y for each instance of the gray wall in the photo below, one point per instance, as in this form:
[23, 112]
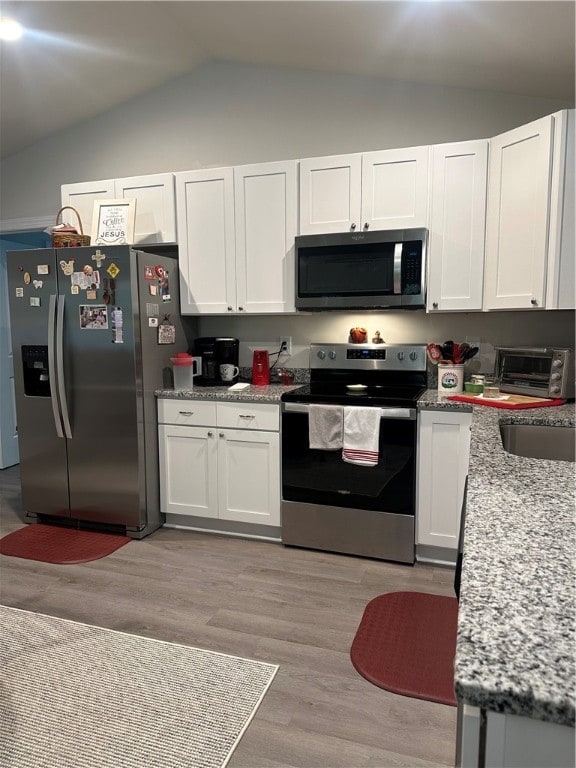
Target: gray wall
[229, 114]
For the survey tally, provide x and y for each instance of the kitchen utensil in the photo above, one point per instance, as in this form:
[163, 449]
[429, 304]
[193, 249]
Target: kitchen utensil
[434, 353]
[448, 349]
[456, 354]
[472, 352]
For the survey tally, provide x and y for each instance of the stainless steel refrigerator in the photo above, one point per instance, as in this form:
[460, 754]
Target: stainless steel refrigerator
[93, 330]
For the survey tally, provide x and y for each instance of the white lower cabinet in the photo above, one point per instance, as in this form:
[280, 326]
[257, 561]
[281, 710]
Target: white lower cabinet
[220, 460]
[443, 456]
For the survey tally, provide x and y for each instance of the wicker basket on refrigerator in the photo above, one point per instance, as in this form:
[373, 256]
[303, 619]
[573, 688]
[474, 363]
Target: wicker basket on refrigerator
[67, 239]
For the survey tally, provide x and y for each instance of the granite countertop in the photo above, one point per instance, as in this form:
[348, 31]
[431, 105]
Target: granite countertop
[516, 621]
[269, 394]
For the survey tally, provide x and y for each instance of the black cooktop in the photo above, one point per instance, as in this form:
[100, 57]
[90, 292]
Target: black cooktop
[355, 394]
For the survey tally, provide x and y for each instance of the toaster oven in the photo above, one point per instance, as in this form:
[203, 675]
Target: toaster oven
[537, 372]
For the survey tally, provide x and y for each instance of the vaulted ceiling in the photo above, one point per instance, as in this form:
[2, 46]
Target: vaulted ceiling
[80, 58]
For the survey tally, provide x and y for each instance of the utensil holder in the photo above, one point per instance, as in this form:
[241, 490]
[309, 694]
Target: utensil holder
[450, 379]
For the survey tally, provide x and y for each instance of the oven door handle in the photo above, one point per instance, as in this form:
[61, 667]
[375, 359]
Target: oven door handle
[385, 413]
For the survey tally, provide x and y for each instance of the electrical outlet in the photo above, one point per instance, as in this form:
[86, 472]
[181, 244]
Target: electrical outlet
[286, 345]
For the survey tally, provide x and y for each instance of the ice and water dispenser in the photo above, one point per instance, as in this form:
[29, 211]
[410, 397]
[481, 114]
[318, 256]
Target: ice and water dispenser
[35, 371]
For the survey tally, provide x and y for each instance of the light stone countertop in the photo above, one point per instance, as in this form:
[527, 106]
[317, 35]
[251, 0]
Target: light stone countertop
[516, 620]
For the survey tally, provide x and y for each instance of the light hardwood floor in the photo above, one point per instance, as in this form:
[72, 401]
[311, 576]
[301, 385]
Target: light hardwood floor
[293, 607]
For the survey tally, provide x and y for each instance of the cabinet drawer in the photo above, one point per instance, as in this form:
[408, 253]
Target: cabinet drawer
[192, 412]
[249, 416]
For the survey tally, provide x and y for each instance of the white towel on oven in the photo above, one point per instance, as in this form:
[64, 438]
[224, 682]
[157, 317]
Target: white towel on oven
[361, 436]
[325, 427]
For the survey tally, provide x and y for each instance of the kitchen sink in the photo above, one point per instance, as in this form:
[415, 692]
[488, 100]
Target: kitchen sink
[539, 441]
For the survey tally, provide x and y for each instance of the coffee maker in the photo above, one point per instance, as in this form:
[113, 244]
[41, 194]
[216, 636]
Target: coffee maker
[214, 351]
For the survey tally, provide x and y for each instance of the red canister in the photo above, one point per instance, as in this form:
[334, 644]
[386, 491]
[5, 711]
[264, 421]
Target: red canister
[260, 368]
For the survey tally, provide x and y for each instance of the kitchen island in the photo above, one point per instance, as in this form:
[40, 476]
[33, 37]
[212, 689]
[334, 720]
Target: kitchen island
[515, 657]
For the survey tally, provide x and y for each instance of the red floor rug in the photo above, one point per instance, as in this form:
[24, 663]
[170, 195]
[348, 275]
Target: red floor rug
[55, 544]
[406, 643]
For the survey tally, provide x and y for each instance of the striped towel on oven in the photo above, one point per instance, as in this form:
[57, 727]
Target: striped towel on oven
[361, 436]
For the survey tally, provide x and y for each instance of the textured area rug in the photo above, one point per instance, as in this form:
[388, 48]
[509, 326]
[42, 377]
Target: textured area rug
[77, 696]
[56, 544]
[406, 643]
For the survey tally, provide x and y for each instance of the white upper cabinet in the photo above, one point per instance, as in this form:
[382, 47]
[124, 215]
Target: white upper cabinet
[236, 229]
[457, 226]
[155, 206]
[330, 194]
[155, 220]
[395, 188]
[206, 245]
[527, 232]
[265, 200]
[374, 190]
[81, 196]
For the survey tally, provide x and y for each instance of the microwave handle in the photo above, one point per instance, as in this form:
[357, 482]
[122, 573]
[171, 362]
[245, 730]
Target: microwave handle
[398, 269]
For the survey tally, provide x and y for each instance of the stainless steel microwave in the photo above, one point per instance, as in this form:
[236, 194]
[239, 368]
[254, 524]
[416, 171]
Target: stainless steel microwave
[536, 371]
[361, 270]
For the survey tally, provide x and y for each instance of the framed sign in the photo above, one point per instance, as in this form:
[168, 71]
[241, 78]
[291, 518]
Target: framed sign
[113, 221]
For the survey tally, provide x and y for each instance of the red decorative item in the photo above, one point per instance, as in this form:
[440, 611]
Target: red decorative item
[358, 335]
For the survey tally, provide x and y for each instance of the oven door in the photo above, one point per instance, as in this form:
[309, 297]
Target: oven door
[330, 504]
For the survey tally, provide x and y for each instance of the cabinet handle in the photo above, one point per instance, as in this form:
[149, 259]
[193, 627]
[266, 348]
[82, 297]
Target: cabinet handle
[435, 304]
[186, 413]
[230, 309]
[221, 434]
[366, 225]
[210, 434]
[534, 302]
[241, 309]
[352, 226]
[247, 416]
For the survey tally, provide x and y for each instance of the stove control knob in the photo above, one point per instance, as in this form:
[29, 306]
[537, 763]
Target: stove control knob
[332, 355]
[555, 390]
[558, 363]
[400, 355]
[413, 356]
[321, 354]
[555, 376]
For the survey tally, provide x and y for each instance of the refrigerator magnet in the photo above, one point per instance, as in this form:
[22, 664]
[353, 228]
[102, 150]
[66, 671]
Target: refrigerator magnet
[93, 317]
[160, 272]
[37, 283]
[27, 278]
[113, 270]
[88, 269]
[67, 266]
[34, 301]
[153, 289]
[74, 289]
[91, 295]
[43, 269]
[98, 257]
[153, 322]
[19, 293]
[166, 332]
[149, 273]
[117, 322]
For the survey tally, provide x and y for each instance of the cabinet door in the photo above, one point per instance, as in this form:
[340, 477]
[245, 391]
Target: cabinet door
[443, 455]
[265, 198]
[249, 476]
[395, 188]
[517, 217]
[82, 196]
[330, 194]
[457, 225]
[155, 206]
[205, 216]
[188, 470]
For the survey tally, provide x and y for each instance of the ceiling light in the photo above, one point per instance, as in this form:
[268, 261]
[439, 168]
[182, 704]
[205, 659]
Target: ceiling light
[10, 29]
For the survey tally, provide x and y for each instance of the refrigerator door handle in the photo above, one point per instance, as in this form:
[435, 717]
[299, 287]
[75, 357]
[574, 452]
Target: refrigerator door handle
[60, 366]
[52, 365]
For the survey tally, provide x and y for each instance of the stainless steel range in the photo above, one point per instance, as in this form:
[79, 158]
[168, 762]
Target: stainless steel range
[333, 505]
